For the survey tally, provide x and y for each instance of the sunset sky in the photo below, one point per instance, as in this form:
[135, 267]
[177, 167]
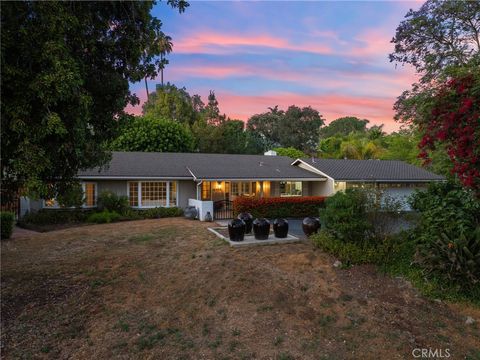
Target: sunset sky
[332, 56]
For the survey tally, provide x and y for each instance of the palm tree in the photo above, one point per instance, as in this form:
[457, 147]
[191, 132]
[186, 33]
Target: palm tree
[165, 45]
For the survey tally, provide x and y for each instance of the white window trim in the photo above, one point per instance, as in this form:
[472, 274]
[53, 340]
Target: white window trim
[84, 194]
[139, 194]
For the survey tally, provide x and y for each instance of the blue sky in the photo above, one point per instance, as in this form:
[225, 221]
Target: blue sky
[254, 55]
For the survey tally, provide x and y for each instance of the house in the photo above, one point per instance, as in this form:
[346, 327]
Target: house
[211, 181]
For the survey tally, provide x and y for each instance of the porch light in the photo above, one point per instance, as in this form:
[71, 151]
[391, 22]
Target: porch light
[219, 185]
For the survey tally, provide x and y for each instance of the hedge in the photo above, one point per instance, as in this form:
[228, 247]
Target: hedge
[7, 220]
[55, 216]
[279, 207]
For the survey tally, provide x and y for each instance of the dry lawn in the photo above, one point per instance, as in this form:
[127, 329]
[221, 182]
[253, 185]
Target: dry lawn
[168, 289]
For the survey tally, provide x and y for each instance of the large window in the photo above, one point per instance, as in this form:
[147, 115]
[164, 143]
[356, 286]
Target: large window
[206, 190]
[152, 193]
[290, 188]
[90, 193]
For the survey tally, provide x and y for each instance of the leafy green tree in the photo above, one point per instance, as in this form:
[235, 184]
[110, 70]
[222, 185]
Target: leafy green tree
[297, 127]
[344, 126]
[151, 134]
[228, 137]
[211, 112]
[290, 152]
[65, 74]
[402, 145]
[355, 145]
[440, 34]
[442, 41]
[170, 102]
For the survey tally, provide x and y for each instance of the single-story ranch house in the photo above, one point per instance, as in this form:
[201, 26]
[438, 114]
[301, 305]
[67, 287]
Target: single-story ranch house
[208, 181]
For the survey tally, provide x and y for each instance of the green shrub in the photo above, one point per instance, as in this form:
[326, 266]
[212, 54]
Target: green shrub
[161, 212]
[448, 233]
[54, 216]
[7, 219]
[345, 215]
[358, 252]
[104, 217]
[456, 259]
[108, 200]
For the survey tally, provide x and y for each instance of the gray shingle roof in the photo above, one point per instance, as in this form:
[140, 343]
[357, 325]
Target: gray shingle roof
[203, 166]
[372, 170]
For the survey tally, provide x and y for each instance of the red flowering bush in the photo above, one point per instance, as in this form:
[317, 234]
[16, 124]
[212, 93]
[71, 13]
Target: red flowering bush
[279, 207]
[455, 122]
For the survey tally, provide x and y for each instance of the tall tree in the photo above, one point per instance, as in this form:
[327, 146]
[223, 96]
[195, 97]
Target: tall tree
[153, 134]
[171, 102]
[442, 41]
[65, 74]
[297, 127]
[211, 112]
[344, 126]
[440, 34]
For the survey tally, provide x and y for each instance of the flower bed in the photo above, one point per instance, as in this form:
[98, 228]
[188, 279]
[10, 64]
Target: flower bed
[279, 207]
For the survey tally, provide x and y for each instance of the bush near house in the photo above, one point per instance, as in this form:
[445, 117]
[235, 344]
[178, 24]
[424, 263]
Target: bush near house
[279, 207]
[160, 212]
[441, 255]
[448, 233]
[7, 220]
[55, 216]
[51, 219]
[103, 217]
[108, 200]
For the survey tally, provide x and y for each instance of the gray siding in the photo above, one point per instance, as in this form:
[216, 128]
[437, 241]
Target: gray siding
[187, 189]
[119, 187]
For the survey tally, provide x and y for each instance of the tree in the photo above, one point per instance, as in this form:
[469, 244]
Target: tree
[297, 127]
[442, 41]
[211, 112]
[228, 137]
[441, 33]
[65, 74]
[290, 152]
[171, 102]
[151, 134]
[454, 121]
[344, 126]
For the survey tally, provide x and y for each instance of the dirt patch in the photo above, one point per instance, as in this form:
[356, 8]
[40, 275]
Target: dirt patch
[169, 288]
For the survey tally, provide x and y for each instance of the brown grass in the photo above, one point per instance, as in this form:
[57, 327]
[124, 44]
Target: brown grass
[162, 289]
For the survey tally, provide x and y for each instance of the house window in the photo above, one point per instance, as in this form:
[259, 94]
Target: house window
[245, 188]
[235, 191]
[154, 194]
[290, 188]
[206, 190]
[173, 193]
[133, 194]
[90, 192]
[147, 194]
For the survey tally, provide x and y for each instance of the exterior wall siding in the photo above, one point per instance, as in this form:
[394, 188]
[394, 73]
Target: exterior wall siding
[119, 187]
[187, 189]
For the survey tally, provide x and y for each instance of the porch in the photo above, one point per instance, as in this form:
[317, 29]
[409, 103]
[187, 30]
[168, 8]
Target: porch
[218, 195]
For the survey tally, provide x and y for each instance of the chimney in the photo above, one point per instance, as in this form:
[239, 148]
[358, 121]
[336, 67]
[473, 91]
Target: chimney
[270, 153]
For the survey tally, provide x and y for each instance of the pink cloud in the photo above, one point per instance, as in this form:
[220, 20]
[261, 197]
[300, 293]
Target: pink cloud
[218, 43]
[375, 42]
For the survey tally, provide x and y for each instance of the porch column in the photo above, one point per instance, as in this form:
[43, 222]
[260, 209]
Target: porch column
[261, 189]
